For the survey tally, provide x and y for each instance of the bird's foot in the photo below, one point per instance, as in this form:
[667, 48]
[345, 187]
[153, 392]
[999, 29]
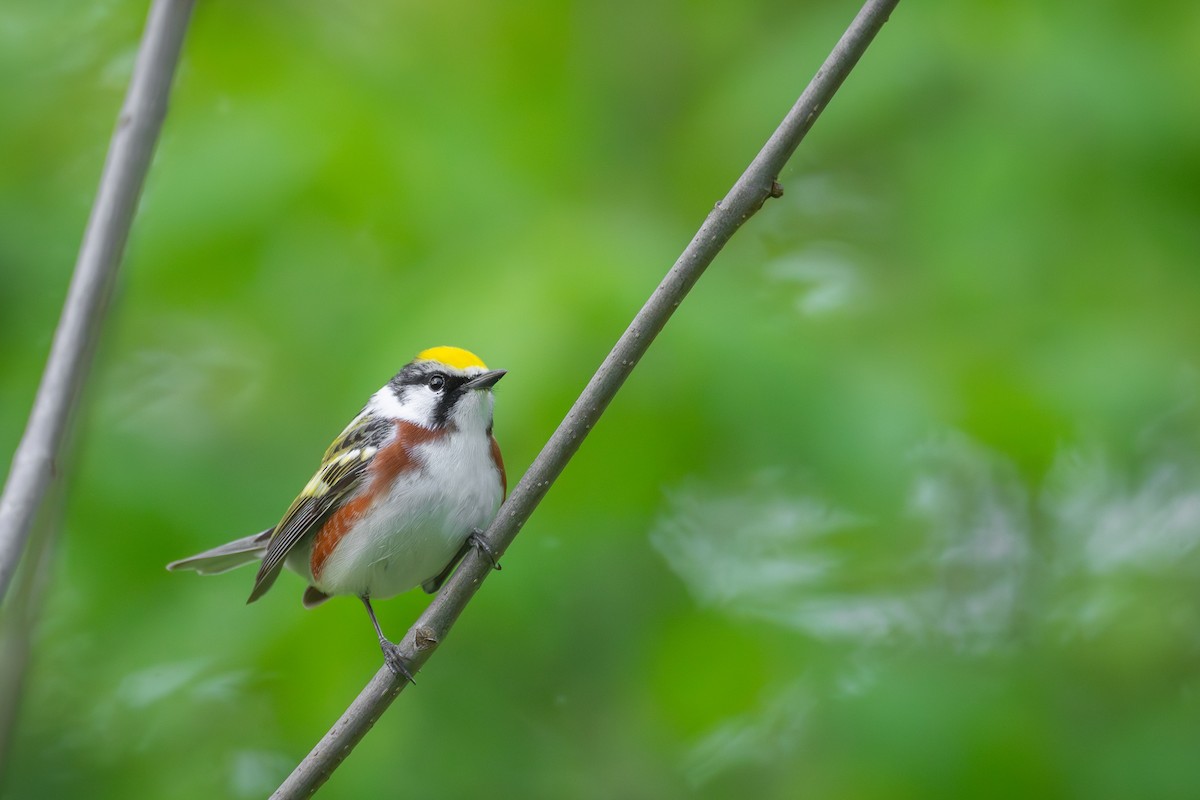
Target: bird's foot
[397, 663]
[477, 541]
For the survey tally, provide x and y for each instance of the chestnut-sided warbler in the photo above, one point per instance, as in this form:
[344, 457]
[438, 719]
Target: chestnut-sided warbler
[400, 495]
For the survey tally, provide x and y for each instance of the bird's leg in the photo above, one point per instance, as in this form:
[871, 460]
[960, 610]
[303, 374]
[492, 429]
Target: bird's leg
[476, 540]
[391, 652]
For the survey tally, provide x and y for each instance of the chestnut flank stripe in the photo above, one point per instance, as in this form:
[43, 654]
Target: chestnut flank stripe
[392, 459]
[500, 468]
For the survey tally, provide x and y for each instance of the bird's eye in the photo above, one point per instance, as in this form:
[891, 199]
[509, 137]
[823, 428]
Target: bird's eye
[437, 382]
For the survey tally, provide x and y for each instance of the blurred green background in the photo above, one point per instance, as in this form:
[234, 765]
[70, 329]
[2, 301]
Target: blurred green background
[904, 503]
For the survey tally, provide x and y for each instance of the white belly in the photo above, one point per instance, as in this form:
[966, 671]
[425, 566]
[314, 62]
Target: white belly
[410, 534]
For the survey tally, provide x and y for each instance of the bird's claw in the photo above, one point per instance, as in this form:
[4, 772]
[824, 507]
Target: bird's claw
[397, 663]
[477, 541]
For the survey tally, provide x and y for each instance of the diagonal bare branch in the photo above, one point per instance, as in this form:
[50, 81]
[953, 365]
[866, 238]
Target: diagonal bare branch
[746, 197]
[100, 254]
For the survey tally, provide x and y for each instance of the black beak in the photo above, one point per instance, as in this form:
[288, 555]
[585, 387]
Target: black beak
[485, 381]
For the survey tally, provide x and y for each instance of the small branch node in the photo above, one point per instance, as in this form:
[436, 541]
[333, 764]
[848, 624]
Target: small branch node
[425, 638]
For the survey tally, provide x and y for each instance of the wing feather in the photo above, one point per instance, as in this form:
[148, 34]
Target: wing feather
[342, 470]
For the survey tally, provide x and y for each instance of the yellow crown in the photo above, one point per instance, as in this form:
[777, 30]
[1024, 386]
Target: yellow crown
[452, 357]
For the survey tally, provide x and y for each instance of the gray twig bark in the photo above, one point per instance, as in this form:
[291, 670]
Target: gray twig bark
[756, 184]
[129, 154]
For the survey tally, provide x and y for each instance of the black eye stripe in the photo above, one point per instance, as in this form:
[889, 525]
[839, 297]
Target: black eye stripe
[410, 376]
[415, 377]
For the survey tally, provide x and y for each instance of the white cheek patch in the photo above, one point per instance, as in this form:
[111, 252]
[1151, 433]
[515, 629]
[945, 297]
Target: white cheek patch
[384, 403]
[472, 411]
[418, 406]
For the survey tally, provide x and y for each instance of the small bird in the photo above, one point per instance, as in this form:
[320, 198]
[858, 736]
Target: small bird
[400, 496]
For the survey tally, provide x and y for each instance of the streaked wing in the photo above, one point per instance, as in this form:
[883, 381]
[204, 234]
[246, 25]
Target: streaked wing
[342, 470]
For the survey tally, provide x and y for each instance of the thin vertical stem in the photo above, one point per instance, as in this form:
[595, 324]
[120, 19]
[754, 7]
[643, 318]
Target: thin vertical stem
[129, 154]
